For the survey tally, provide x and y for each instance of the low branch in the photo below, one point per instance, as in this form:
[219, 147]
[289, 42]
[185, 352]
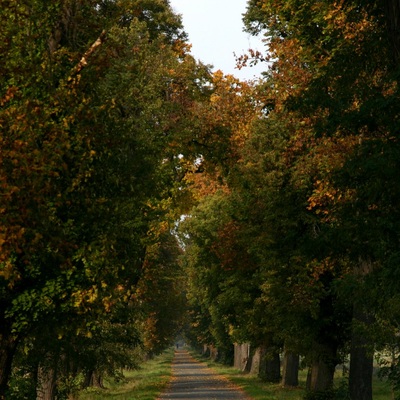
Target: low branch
[84, 60]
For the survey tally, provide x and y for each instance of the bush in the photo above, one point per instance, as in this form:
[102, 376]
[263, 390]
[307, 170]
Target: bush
[22, 386]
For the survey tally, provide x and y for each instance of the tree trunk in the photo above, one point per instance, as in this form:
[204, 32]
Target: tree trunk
[97, 380]
[361, 368]
[323, 366]
[308, 381]
[93, 379]
[206, 350]
[214, 353]
[249, 364]
[242, 356]
[270, 366]
[392, 11]
[321, 378]
[290, 369]
[255, 362]
[8, 346]
[46, 383]
[87, 381]
[361, 351]
[361, 362]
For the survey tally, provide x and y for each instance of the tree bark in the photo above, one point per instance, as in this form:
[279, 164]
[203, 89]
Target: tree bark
[323, 366]
[361, 368]
[242, 356]
[206, 350]
[255, 362]
[46, 383]
[88, 379]
[93, 379]
[249, 363]
[308, 381]
[97, 380]
[392, 11]
[361, 360]
[8, 346]
[361, 351]
[270, 365]
[290, 369]
[214, 353]
[321, 378]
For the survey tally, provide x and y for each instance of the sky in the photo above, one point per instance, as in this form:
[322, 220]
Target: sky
[215, 30]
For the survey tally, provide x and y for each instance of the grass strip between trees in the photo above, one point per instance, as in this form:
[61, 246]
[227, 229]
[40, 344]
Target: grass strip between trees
[145, 383]
[149, 381]
[258, 390]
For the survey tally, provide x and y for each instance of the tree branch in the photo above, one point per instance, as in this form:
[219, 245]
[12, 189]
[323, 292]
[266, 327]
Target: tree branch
[84, 60]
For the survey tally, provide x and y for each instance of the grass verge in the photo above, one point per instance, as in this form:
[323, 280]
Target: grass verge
[145, 383]
[259, 390]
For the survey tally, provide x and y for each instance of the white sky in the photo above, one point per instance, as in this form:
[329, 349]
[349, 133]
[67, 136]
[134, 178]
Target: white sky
[215, 30]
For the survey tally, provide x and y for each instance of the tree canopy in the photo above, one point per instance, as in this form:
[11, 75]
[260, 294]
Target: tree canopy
[142, 195]
[96, 100]
[313, 194]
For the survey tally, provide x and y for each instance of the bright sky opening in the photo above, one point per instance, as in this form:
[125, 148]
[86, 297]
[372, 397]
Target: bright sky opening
[215, 30]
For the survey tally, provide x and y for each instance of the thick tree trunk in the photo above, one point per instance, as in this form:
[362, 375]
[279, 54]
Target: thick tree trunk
[308, 381]
[361, 352]
[8, 346]
[206, 350]
[255, 362]
[46, 383]
[321, 378]
[270, 366]
[290, 369]
[214, 353]
[93, 379]
[361, 360]
[87, 380]
[392, 10]
[323, 366]
[241, 356]
[361, 368]
[97, 380]
[249, 364]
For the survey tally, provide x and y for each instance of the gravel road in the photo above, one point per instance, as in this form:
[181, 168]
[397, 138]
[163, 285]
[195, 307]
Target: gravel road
[193, 380]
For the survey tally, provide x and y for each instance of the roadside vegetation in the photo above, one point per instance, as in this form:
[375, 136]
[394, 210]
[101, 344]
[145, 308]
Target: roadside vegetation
[253, 386]
[147, 382]
[144, 383]
[144, 195]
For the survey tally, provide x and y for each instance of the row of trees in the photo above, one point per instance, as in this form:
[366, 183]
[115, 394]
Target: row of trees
[106, 123]
[294, 242]
[103, 111]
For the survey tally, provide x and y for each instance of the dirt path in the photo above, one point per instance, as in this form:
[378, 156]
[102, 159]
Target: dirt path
[193, 380]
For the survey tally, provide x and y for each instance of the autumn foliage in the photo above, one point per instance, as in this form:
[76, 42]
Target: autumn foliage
[306, 214]
[143, 195]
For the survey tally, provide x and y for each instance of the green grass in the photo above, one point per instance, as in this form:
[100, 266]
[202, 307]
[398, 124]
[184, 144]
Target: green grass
[259, 390]
[149, 381]
[143, 384]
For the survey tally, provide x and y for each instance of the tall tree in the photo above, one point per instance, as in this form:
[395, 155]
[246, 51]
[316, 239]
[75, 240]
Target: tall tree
[93, 100]
[350, 109]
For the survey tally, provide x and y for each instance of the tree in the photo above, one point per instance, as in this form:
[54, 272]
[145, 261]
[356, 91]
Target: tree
[161, 294]
[349, 108]
[208, 233]
[93, 102]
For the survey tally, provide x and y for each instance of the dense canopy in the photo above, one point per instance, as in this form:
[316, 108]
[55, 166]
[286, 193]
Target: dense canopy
[143, 197]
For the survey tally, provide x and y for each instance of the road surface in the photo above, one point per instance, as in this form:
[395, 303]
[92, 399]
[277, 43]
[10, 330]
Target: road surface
[193, 380]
